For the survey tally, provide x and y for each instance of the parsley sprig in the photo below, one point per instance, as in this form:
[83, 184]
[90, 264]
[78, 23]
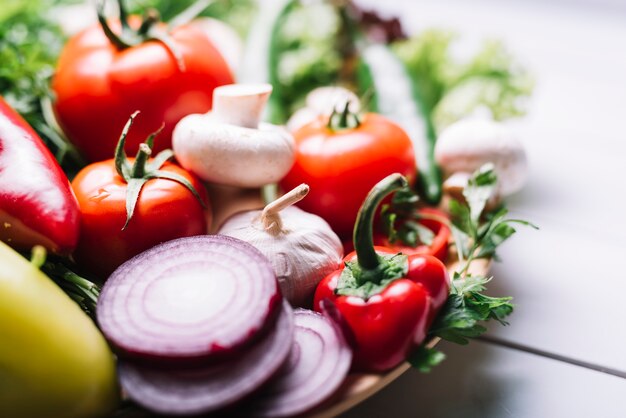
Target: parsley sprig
[476, 235]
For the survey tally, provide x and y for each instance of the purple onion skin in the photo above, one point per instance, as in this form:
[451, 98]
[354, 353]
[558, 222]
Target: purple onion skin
[161, 348]
[211, 389]
[303, 383]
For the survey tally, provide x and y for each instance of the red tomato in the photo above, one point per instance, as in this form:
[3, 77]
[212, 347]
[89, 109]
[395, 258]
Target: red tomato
[341, 166]
[165, 210]
[98, 85]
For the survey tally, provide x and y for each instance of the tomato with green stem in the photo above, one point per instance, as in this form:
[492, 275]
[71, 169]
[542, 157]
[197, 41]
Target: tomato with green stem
[131, 204]
[342, 158]
[110, 70]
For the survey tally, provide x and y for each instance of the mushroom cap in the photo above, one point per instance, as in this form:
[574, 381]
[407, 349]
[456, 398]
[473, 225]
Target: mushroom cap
[466, 145]
[233, 155]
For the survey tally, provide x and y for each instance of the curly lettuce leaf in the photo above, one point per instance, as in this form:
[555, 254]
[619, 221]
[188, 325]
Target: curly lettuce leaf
[452, 89]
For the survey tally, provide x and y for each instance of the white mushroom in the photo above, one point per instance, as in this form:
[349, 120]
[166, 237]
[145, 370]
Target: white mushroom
[301, 247]
[321, 102]
[229, 146]
[466, 145]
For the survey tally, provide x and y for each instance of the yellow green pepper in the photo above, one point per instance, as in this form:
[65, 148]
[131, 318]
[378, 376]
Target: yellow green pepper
[53, 360]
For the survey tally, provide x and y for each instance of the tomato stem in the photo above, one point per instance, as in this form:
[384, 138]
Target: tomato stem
[363, 228]
[114, 38]
[344, 119]
[151, 18]
[121, 160]
[139, 167]
[123, 15]
[147, 32]
[142, 170]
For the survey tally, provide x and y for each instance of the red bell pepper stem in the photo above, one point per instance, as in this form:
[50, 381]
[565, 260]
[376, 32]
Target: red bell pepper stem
[363, 235]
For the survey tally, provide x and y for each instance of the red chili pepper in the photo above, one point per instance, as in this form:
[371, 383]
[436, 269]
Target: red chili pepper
[37, 205]
[387, 298]
[438, 247]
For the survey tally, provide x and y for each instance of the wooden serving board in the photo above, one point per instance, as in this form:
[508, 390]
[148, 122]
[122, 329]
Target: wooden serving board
[357, 387]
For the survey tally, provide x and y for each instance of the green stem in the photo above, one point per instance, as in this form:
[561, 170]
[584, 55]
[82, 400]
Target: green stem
[38, 256]
[123, 15]
[344, 120]
[139, 167]
[150, 19]
[363, 228]
[114, 38]
[142, 170]
[121, 160]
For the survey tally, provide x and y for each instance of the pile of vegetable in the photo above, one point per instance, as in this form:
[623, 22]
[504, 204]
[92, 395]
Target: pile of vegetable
[125, 143]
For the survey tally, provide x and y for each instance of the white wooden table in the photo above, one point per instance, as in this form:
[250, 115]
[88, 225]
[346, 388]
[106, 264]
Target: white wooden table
[569, 278]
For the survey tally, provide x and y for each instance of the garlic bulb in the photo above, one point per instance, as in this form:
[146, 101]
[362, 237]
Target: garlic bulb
[301, 247]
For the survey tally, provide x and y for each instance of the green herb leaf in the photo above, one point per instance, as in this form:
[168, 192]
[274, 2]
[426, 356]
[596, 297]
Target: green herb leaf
[424, 359]
[480, 188]
[466, 308]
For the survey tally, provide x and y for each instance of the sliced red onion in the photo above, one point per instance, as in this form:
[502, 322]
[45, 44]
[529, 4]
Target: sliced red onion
[317, 365]
[209, 389]
[189, 300]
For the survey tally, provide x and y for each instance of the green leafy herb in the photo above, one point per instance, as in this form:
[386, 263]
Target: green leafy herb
[466, 308]
[30, 43]
[452, 89]
[424, 359]
[309, 50]
[476, 235]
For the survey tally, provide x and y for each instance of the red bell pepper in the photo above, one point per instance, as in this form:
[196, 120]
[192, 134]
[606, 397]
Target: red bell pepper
[37, 205]
[387, 298]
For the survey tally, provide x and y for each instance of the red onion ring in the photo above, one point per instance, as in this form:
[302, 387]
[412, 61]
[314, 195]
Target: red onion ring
[188, 300]
[209, 389]
[317, 365]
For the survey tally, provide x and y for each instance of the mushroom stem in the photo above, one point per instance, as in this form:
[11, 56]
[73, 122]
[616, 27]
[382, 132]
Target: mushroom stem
[270, 217]
[240, 104]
